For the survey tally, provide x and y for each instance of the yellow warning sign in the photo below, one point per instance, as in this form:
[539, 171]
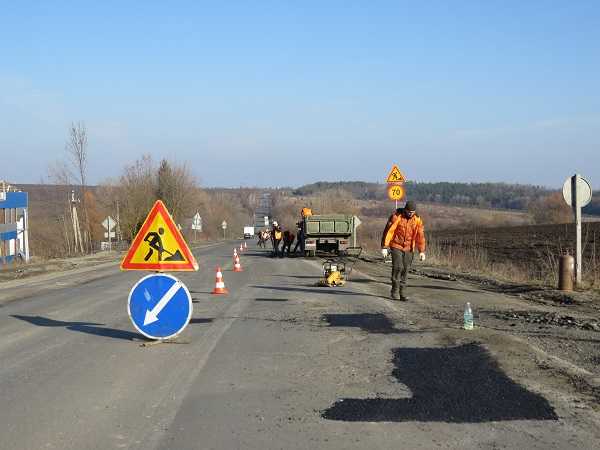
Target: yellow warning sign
[395, 176]
[395, 192]
[159, 245]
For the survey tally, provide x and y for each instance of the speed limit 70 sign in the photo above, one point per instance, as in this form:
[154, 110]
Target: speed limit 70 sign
[395, 192]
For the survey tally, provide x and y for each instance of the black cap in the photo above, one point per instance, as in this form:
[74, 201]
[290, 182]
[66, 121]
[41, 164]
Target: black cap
[410, 206]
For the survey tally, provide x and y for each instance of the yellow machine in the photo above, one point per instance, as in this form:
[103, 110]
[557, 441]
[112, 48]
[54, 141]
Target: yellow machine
[334, 273]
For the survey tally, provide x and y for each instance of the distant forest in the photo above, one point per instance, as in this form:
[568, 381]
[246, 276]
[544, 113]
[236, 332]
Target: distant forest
[483, 195]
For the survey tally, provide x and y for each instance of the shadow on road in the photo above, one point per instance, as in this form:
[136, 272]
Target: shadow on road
[364, 280]
[270, 299]
[82, 327]
[371, 323]
[315, 277]
[458, 385]
[316, 290]
[201, 320]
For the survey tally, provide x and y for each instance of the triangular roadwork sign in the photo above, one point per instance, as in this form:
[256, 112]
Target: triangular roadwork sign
[395, 176]
[159, 245]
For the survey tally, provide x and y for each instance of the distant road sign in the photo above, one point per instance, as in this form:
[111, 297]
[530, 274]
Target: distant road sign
[159, 245]
[109, 223]
[112, 234]
[395, 192]
[583, 190]
[224, 225]
[395, 176]
[160, 306]
[197, 222]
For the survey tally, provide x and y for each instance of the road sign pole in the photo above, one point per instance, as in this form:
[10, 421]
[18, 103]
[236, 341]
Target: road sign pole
[575, 180]
[577, 192]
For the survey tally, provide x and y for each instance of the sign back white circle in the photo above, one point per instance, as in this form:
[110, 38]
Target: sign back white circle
[583, 189]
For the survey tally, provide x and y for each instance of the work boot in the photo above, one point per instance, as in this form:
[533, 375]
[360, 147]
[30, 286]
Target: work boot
[395, 295]
[402, 296]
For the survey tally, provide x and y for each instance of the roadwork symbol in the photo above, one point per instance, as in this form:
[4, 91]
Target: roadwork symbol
[395, 176]
[159, 245]
[160, 306]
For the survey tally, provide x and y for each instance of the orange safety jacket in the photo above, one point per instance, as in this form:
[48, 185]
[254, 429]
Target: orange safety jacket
[404, 234]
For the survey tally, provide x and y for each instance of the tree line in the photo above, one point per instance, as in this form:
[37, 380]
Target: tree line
[484, 195]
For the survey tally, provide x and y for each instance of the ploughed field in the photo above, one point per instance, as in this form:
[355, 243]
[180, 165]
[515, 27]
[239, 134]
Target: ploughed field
[523, 245]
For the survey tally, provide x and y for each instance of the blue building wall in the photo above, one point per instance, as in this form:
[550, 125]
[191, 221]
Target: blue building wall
[8, 232]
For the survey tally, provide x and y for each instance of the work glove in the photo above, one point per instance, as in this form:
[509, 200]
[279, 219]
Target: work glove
[422, 256]
[384, 252]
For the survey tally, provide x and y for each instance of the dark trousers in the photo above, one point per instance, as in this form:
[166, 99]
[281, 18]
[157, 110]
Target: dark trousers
[300, 242]
[276, 247]
[287, 245]
[401, 262]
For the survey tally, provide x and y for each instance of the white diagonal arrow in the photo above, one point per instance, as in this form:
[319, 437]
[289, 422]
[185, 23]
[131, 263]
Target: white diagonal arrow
[152, 316]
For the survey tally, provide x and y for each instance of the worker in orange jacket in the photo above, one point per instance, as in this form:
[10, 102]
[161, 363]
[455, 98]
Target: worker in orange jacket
[403, 233]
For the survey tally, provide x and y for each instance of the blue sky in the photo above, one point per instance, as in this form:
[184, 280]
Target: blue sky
[286, 93]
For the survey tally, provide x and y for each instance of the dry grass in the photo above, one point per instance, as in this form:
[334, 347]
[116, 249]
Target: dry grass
[469, 254]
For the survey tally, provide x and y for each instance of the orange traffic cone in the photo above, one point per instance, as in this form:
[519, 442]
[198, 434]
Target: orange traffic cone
[245, 246]
[241, 248]
[234, 253]
[237, 267]
[220, 284]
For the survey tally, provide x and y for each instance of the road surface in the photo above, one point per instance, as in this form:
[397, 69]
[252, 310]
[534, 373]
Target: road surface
[277, 364]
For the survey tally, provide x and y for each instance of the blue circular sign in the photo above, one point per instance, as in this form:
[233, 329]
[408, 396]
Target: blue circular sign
[160, 306]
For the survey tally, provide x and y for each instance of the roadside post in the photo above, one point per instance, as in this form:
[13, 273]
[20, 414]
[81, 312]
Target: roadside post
[159, 305]
[224, 226]
[577, 193]
[395, 181]
[355, 224]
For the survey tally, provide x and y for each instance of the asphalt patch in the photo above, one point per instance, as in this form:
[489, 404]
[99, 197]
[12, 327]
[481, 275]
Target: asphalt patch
[457, 385]
[551, 318]
[371, 323]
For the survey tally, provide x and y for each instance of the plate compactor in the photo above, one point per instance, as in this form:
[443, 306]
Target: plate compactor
[334, 270]
[334, 273]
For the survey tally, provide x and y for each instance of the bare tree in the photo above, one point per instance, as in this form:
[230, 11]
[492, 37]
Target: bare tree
[176, 187]
[137, 193]
[77, 149]
[550, 209]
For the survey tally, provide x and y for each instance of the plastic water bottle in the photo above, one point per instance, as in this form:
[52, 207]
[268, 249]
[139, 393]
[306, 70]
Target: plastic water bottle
[468, 316]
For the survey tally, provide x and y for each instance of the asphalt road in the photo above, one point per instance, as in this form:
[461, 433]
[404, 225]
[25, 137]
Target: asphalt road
[276, 364]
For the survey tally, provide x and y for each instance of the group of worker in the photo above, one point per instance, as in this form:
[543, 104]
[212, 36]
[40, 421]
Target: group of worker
[404, 233]
[286, 240]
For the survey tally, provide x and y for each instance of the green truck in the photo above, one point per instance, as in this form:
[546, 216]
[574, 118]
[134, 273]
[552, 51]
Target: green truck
[333, 233]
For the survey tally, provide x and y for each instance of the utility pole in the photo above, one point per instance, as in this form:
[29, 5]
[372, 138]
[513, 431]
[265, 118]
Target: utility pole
[109, 232]
[76, 229]
[118, 223]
